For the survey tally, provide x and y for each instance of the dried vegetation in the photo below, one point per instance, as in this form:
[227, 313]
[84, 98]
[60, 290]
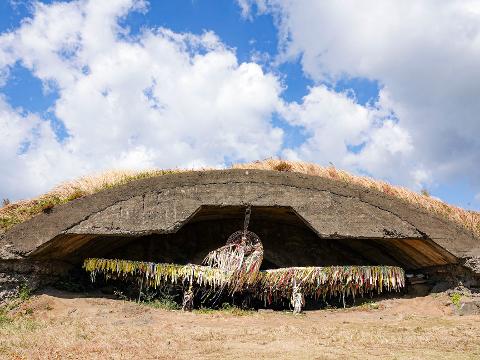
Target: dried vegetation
[465, 218]
[61, 326]
[17, 212]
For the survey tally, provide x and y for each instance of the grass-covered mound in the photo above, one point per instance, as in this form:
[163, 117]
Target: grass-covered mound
[20, 211]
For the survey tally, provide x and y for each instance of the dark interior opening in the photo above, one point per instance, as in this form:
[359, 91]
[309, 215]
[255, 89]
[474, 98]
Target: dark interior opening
[287, 238]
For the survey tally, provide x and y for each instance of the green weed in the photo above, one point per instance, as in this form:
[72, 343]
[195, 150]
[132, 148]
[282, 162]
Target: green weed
[164, 304]
[456, 299]
[370, 305]
[226, 308]
[24, 292]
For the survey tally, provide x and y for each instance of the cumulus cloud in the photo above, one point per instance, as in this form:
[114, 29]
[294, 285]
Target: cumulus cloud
[29, 153]
[424, 54]
[166, 99]
[158, 98]
[366, 139]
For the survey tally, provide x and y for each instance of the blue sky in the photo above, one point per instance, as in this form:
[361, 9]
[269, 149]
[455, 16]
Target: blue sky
[137, 84]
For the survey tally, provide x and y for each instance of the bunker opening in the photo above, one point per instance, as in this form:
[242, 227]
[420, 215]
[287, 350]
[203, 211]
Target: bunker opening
[291, 251]
[287, 238]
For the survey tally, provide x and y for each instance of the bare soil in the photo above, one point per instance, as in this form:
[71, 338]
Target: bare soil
[60, 325]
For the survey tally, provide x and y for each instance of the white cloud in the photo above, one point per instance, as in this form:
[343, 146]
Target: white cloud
[167, 99]
[245, 7]
[29, 153]
[333, 122]
[340, 131]
[424, 54]
[157, 99]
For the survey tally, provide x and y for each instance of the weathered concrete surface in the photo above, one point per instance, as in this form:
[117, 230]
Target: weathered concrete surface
[163, 204]
[303, 220]
[29, 274]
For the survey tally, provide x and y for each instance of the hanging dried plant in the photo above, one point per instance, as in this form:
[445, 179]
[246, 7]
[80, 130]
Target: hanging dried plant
[268, 285]
[236, 267]
[242, 257]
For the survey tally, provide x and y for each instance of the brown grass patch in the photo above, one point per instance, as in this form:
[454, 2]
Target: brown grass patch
[96, 328]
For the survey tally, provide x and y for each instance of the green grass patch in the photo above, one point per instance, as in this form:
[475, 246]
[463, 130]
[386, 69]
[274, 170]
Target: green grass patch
[164, 304]
[370, 305]
[24, 293]
[456, 299]
[226, 308]
[18, 323]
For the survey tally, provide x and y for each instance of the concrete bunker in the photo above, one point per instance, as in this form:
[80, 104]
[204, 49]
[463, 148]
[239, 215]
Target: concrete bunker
[302, 221]
[288, 240]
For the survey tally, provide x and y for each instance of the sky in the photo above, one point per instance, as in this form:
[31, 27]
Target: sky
[385, 89]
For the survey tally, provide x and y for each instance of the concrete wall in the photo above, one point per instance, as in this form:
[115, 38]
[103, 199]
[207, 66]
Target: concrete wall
[163, 204]
[344, 214]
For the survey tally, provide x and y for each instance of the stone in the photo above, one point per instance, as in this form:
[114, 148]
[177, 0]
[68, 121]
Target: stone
[468, 308]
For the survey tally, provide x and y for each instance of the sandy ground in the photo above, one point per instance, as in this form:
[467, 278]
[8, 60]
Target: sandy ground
[63, 326]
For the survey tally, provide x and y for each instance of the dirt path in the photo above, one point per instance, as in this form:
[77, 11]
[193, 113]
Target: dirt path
[58, 326]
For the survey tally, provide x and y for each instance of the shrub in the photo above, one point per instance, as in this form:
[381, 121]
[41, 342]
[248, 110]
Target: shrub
[425, 192]
[283, 166]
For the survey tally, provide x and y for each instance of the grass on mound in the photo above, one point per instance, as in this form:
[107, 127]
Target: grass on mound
[18, 212]
[468, 219]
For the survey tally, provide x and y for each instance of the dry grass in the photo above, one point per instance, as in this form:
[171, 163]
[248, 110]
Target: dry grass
[62, 327]
[465, 218]
[20, 211]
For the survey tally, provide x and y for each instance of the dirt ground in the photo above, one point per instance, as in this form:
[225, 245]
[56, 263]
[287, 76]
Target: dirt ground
[60, 325]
